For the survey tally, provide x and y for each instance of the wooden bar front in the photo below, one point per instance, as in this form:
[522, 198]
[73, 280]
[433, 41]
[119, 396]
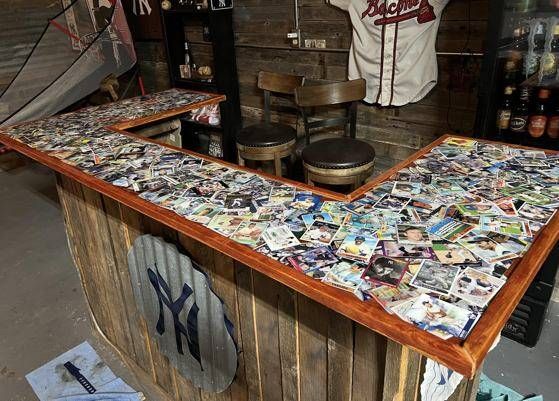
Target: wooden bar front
[298, 338]
[289, 346]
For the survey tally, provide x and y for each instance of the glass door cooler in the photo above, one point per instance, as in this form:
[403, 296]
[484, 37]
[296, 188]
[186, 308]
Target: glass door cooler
[519, 86]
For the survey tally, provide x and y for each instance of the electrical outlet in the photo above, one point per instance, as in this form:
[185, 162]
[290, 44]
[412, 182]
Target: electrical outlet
[320, 43]
[294, 37]
[310, 43]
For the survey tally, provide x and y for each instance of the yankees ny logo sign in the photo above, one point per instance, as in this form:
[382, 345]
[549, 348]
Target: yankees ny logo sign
[184, 316]
[165, 298]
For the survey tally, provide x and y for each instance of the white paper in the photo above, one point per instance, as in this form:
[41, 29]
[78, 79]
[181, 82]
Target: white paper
[53, 382]
[439, 382]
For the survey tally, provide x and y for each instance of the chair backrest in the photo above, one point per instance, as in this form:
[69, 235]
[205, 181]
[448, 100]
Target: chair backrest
[348, 93]
[271, 82]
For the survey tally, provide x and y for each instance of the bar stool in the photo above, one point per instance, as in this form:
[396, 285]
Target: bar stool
[269, 141]
[338, 161]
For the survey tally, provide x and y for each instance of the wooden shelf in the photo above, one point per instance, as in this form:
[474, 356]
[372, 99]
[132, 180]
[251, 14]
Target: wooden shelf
[187, 120]
[219, 27]
[533, 81]
[196, 82]
[187, 11]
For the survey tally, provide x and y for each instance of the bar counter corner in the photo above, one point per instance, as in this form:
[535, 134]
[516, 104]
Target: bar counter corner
[297, 339]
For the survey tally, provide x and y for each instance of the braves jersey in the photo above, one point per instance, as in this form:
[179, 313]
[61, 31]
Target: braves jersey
[393, 47]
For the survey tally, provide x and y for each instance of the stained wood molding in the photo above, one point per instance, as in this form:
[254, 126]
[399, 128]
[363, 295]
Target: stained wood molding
[464, 357]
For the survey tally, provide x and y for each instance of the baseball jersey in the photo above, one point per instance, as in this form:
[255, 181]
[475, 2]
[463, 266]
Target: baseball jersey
[393, 47]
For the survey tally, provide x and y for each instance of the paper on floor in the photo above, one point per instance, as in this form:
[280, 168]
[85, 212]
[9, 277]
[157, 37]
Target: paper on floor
[53, 382]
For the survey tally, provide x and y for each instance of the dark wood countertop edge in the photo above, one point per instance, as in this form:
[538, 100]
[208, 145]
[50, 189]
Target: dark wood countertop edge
[369, 314]
[464, 357]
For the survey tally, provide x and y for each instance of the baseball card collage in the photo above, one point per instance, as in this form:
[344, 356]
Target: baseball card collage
[432, 245]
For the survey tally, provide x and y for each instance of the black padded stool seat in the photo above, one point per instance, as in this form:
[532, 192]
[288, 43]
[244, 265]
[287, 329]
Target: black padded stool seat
[266, 134]
[338, 153]
[270, 141]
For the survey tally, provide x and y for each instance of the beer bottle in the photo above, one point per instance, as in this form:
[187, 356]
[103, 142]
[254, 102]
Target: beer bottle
[504, 112]
[519, 118]
[512, 76]
[518, 49]
[538, 119]
[553, 123]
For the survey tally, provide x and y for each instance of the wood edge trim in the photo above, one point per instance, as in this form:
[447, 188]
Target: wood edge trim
[321, 191]
[166, 114]
[341, 302]
[388, 173]
[501, 307]
[463, 357]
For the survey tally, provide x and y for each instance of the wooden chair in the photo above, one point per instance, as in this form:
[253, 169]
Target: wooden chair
[269, 141]
[337, 161]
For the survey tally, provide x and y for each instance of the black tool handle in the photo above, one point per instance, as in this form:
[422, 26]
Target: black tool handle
[74, 371]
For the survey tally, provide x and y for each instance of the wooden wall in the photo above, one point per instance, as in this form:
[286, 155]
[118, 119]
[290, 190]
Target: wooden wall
[261, 27]
[396, 132]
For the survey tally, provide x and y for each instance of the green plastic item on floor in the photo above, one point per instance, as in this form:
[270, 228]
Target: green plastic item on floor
[493, 391]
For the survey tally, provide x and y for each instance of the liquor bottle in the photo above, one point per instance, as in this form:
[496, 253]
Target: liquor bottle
[511, 73]
[519, 118]
[553, 121]
[538, 119]
[519, 46]
[504, 112]
[186, 72]
[550, 60]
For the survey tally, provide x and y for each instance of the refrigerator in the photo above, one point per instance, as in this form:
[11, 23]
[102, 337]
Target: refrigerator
[519, 80]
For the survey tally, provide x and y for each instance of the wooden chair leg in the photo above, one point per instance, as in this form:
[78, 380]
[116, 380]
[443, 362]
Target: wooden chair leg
[308, 178]
[277, 164]
[357, 182]
[240, 159]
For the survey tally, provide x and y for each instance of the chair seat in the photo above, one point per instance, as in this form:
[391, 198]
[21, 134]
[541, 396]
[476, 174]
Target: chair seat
[338, 153]
[266, 134]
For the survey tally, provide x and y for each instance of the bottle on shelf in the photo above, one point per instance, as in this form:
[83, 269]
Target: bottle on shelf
[504, 111]
[538, 119]
[511, 73]
[553, 121]
[519, 117]
[186, 68]
[550, 59]
[519, 46]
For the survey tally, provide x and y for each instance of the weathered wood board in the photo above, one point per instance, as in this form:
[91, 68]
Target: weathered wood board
[290, 348]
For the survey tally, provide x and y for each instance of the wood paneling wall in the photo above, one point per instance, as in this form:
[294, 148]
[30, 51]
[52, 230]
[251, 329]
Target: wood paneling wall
[261, 27]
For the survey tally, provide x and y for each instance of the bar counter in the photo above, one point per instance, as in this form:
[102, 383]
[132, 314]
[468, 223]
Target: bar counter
[297, 338]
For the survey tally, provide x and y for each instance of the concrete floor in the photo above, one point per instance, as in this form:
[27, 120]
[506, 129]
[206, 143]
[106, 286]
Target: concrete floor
[42, 306]
[43, 312]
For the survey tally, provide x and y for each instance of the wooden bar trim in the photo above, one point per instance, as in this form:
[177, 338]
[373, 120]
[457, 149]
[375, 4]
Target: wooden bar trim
[464, 357]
